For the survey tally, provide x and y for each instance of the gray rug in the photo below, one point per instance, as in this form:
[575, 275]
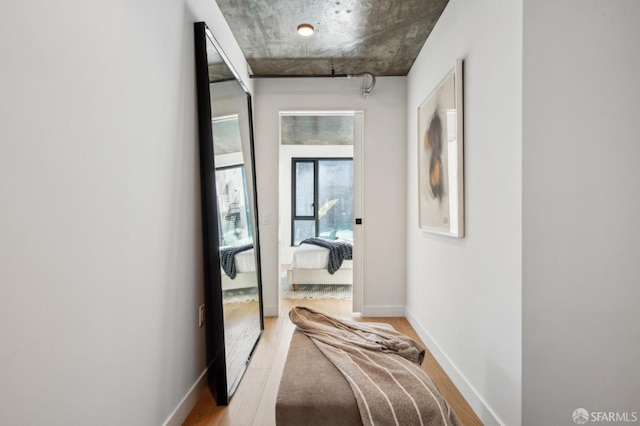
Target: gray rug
[240, 295]
[315, 291]
[305, 291]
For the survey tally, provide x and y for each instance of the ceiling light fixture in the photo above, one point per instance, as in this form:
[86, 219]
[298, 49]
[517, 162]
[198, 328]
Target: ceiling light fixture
[305, 30]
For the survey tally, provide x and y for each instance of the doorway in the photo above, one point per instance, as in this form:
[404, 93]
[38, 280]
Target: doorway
[320, 175]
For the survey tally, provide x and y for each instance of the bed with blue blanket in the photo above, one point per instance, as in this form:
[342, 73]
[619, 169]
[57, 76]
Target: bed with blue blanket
[320, 261]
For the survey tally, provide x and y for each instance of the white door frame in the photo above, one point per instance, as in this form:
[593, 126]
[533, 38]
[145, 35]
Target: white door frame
[358, 202]
[358, 211]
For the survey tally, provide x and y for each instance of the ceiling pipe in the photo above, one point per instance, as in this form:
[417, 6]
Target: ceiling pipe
[367, 87]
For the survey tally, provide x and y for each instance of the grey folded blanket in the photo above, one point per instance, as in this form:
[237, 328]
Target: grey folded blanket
[338, 251]
[381, 366]
[228, 258]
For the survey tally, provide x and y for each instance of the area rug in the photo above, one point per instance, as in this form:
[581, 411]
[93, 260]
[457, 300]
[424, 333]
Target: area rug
[315, 291]
[240, 295]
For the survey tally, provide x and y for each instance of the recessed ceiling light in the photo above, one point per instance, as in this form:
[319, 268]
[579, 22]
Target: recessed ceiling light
[305, 30]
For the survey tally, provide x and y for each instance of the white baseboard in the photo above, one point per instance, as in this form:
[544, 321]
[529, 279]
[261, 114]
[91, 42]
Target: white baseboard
[177, 417]
[383, 311]
[470, 394]
[270, 310]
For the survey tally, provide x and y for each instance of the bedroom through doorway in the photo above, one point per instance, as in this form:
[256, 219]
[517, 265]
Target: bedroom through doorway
[321, 206]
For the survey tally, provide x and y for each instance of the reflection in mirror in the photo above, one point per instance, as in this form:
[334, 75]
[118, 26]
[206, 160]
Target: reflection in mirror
[231, 186]
[230, 233]
[237, 256]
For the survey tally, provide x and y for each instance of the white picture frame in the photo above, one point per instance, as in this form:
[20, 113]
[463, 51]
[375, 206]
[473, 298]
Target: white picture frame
[441, 157]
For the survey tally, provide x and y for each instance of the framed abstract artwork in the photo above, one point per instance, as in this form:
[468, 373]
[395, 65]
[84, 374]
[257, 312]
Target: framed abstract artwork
[440, 157]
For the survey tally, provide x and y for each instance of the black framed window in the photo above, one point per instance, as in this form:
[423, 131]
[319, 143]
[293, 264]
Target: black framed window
[322, 198]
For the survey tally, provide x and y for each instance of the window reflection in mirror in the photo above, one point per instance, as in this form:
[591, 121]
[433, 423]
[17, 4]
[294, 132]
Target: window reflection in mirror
[231, 184]
[235, 236]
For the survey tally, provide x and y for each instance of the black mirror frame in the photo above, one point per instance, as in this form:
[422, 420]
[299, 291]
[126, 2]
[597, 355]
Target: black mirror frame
[214, 318]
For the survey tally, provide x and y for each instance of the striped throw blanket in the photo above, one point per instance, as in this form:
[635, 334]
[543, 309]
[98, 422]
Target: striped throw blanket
[382, 368]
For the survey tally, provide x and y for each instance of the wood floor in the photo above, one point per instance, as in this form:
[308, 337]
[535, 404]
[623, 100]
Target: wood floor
[254, 401]
[241, 330]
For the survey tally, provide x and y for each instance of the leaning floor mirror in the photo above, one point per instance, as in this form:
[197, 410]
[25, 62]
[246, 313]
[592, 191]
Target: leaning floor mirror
[231, 249]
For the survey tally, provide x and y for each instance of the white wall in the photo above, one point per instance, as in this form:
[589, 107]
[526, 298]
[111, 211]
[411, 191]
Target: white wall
[464, 295]
[384, 182]
[581, 202]
[100, 235]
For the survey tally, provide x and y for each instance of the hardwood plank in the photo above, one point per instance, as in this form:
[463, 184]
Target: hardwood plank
[242, 326]
[254, 401]
[457, 402]
[205, 412]
[265, 414]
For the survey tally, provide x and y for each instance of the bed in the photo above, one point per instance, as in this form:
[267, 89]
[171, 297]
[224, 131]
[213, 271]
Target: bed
[245, 268]
[310, 266]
